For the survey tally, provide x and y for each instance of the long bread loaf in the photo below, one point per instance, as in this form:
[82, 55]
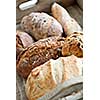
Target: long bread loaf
[47, 76]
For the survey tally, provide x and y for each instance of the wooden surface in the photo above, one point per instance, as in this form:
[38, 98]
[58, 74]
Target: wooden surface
[20, 88]
[74, 96]
[80, 3]
[76, 13]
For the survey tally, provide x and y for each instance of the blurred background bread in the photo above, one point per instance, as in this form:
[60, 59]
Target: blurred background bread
[68, 23]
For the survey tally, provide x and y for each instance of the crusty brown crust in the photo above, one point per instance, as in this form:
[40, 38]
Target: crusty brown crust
[73, 45]
[38, 53]
[41, 25]
[23, 40]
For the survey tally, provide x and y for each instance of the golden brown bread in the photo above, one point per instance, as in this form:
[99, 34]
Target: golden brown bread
[45, 49]
[73, 45]
[68, 23]
[47, 76]
[38, 53]
[23, 40]
[41, 25]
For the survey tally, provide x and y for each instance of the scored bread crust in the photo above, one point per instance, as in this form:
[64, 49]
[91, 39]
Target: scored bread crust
[38, 53]
[41, 25]
[48, 75]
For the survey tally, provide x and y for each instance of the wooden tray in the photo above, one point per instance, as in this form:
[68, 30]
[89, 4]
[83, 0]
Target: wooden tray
[73, 87]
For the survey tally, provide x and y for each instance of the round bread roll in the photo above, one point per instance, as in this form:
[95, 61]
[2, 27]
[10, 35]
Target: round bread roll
[47, 76]
[41, 25]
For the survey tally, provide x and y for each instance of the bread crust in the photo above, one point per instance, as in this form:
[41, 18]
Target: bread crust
[38, 53]
[42, 79]
[68, 23]
[41, 25]
[73, 45]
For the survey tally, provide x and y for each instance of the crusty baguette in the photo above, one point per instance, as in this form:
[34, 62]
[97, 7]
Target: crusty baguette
[23, 40]
[41, 25]
[47, 76]
[67, 22]
[38, 53]
[73, 45]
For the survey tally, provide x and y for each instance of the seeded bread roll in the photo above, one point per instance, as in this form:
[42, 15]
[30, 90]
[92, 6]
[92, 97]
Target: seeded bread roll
[38, 53]
[63, 17]
[41, 25]
[23, 40]
[47, 76]
[73, 45]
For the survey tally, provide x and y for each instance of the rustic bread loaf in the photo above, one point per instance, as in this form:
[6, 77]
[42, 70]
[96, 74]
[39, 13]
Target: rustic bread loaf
[38, 53]
[73, 45]
[47, 76]
[23, 40]
[41, 25]
[67, 22]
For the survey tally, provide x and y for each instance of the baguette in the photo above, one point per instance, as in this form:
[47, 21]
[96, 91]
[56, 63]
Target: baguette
[38, 53]
[47, 76]
[41, 25]
[68, 23]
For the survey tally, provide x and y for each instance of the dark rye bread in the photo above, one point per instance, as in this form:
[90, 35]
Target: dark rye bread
[41, 25]
[38, 53]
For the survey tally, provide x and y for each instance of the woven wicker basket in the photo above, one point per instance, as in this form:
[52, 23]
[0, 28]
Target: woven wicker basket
[71, 89]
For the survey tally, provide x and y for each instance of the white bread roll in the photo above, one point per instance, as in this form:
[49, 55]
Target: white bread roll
[47, 76]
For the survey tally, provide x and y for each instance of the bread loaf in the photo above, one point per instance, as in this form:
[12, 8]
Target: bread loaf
[23, 40]
[47, 76]
[41, 25]
[38, 53]
[73, 45]
[63, 17]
